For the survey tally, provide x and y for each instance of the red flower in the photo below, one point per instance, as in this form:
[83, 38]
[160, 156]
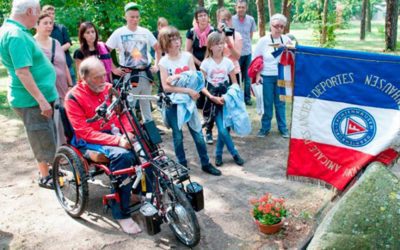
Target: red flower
[268, 210]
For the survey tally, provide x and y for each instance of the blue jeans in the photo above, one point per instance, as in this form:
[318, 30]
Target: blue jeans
[244, 62]
[177, 135]
[271, 97]
[120, 158]
[224, 137]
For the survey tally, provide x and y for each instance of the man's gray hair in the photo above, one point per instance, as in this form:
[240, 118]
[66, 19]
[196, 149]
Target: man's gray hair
[20, 7]
[88, 64]
[278, 17]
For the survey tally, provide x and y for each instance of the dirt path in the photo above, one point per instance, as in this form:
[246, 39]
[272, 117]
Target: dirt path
[31, 217]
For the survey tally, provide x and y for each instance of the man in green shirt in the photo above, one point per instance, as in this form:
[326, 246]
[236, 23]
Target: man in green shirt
[32, 90]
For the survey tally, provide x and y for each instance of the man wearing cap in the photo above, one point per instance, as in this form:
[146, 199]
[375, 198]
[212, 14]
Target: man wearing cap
[133, 45]
[245, 25]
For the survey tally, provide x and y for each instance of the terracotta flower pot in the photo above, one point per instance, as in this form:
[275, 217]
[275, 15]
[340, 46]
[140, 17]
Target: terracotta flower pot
[269, 229]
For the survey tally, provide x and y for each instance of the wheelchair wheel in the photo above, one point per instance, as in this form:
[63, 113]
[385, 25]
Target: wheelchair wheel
[70, 182]
[181, 216]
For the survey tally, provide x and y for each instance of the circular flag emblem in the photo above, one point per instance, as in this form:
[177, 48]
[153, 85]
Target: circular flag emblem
[354, 127]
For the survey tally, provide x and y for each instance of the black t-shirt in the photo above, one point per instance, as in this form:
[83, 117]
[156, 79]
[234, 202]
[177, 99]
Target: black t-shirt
[79, 55]
[60, 33]
[198, 52]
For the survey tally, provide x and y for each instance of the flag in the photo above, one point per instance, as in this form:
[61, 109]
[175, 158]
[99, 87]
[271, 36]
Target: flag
[285, 73]
[346, 111]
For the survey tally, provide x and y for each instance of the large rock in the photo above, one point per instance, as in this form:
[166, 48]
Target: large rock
[367, 217]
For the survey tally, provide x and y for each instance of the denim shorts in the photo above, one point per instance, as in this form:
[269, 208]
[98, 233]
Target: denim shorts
[40, 131]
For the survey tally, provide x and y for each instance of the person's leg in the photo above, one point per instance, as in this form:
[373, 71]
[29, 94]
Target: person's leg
[200, 146]
[268, 97]
[244, 66]
[224, 136]
[41, 136]
[239, 78]
[206, 166]
[134, 91]
[145, 89]
[177, 134]
[59, 125]
[121, 158]
[208, 120]
[160, 88]
[280, 112]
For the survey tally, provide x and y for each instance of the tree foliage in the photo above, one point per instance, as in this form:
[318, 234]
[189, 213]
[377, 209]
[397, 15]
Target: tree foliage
[311, 11]
[109, 15]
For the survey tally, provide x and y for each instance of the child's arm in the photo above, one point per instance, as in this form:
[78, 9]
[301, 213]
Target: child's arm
[214, 99]
[232, 75]
[169, 88]
[191, 63]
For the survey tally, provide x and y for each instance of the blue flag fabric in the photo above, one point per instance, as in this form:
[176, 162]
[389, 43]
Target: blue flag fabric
[346, 112]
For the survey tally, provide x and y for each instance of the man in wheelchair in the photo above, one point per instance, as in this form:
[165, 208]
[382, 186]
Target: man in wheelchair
[80, 105]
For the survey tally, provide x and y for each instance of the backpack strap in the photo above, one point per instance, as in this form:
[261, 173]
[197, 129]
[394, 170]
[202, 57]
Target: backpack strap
[53, 50]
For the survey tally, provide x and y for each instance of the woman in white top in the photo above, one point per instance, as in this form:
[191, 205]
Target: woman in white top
[268, 76]
[233, 40]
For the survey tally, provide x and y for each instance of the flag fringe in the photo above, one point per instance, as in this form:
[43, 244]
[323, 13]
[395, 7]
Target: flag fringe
[285, 84]
[317, 182]
[285, 98]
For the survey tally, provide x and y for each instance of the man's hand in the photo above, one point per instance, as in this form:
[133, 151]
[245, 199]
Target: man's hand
[46, 109]
[29, 83]
[258, 79]
[124, 143]
[154, 69]
[131, 136]
[118, 71]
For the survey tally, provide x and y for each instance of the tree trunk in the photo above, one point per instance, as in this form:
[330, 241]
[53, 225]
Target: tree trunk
[261, 17]
[324, 29]
[286, 9]
[391, 24]
[271, 8]
[369, 16]
[363, 19]
[220, 3]
[201, 3]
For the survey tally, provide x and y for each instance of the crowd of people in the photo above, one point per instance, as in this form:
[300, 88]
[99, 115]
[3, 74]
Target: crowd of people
[42, 74]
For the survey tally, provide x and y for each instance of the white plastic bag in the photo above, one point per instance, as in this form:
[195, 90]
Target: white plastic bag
[258, 92]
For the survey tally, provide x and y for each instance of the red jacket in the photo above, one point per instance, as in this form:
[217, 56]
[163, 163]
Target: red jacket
[255, 66]
[82, 106]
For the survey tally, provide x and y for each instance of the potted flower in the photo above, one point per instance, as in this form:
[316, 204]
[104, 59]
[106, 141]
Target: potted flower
[268, 213]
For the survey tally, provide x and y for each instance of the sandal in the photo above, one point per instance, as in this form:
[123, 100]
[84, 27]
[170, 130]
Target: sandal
[46, 182]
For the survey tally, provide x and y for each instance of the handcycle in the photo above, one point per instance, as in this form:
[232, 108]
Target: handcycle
[169, 201]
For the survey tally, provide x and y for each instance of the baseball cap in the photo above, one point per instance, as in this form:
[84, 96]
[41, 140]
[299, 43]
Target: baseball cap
[132, 6]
